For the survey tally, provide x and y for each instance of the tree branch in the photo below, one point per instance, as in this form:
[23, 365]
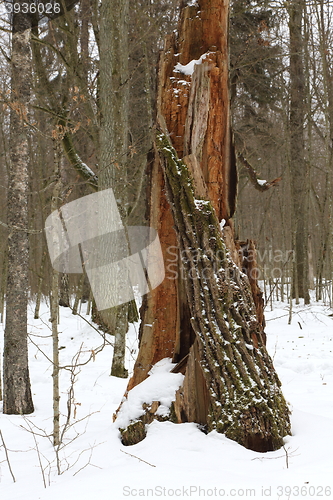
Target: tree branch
[76, 162]
[259, 184]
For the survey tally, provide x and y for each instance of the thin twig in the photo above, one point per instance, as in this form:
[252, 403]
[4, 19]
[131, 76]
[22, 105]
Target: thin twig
[38, 453]
[7, 457]
[88, 463]
[141, 460]
[287, 457]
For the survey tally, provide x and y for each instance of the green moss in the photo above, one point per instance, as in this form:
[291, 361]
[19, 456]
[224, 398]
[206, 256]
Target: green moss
[133, 434]
[172, 415]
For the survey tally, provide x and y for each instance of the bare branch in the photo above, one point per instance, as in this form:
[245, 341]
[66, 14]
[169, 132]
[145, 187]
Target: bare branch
[253, 176]
[38, 454]
[82, 168]
[141, 460]
[7, 457]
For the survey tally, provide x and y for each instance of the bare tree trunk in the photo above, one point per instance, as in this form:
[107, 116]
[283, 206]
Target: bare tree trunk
[3, 283]
[0, 379]
[298, 165]
[17, 391]
[54, 306]
[326, 212]
[64, 298]
[39, 286]
[114, 141]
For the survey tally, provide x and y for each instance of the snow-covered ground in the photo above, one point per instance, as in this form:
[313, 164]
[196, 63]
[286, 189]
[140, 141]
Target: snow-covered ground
[174, 460]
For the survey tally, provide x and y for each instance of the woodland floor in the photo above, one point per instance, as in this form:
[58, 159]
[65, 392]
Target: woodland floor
[175, 460]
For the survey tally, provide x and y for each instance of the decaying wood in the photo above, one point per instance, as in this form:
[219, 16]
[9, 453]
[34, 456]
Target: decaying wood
[196, 111]
[203, 315]
[159, 329]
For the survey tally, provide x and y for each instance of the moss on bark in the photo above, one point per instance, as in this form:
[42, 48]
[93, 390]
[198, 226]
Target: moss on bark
[245, 398]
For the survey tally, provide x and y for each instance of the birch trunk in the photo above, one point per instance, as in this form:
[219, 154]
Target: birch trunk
[54, 307]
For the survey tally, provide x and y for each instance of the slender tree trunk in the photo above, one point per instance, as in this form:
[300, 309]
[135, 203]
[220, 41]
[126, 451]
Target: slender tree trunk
[64, 296]
[3, 283]
[54, 306]
[298, 164]
[0, 378]
[17, 391]
[326, 215]
[39, 286]
[84, 38]
[114, 141]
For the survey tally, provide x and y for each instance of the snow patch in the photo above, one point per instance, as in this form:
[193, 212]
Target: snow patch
[199, 204]
[188, 69]
[222, 223]
[161, 385]
[183, 456]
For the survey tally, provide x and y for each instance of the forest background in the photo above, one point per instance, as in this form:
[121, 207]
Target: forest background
[66, 114]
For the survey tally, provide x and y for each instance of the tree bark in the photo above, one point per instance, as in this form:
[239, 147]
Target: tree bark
[17, 391]
[326, 206]
[54, 306]
[298, 165]
[230, 383]
[114, 92]
[203, 314]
